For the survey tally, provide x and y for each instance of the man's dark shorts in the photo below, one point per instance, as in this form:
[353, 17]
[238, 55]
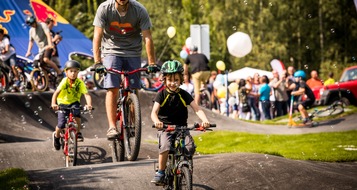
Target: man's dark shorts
[62, 116]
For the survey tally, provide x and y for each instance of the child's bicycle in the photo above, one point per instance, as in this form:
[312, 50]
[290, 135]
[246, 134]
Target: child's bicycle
[179, 167]
[68, 135]
[127, 143]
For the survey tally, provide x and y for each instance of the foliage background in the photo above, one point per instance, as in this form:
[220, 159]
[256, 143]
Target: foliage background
[306, 34]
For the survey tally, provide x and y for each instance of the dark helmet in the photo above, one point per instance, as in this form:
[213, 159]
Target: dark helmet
[170, 67]
[72, 64]
[30, 20]
[300, 73]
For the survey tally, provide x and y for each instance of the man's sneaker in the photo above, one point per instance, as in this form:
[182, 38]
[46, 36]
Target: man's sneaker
[56, 141]
[158, 179]
[112, 133]
[80, 137]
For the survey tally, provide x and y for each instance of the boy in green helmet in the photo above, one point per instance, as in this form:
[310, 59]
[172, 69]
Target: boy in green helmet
[170, 108]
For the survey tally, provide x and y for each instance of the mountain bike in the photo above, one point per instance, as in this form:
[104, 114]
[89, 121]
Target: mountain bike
[127, 143]
[68, 135]
[179, 167]
[42, 76]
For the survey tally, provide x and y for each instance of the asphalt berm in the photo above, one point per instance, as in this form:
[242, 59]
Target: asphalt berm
[25, 142]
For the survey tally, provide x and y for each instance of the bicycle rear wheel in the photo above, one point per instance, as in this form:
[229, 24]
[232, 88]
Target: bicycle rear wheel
[331, 110]
[184, 181]
[71, 157]
[132, 130]
[39, 80]
[118, 150]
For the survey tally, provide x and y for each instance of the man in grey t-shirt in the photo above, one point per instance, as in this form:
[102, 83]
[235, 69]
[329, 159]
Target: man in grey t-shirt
[40, 34]
[119, 28]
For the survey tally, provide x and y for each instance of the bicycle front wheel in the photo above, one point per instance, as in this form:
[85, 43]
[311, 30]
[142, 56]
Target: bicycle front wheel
[132, 130]
[333, 110]
[39, 80]
[98, 80]
[184, 181]
[71, 157]
[118, 150]
[4, 80]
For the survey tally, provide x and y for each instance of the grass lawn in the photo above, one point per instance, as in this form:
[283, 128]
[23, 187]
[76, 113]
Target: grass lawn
[328, 147]
[13, 178]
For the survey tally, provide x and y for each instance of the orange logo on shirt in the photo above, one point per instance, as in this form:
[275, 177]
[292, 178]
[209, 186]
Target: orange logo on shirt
[121, 28]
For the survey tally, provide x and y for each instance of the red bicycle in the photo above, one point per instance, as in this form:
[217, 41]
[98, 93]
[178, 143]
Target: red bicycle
[68, 135]
[127, 143]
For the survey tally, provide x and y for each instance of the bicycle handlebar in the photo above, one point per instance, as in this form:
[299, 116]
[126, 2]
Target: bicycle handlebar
[196, 127]
[84, 109]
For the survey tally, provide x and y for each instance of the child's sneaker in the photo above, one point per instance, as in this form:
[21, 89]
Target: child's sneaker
[80, 137]
[158, 179]
[56, 141]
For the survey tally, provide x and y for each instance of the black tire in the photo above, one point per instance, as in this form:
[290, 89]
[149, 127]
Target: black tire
[118, 150]
[98, 80]
[205, 99]
[39, 80]
[184, 181]
[333, 109]
[71, 157]
[4, 80]
[132, 131]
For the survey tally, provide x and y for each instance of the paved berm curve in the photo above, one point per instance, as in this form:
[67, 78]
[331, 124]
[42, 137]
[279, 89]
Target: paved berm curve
[25, 142]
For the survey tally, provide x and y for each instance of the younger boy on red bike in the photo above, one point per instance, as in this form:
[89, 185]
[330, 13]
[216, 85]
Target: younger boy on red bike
[67, 94]
[170, 107]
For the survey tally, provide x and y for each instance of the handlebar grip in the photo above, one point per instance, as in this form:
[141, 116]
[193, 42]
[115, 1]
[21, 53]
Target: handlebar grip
[212, 125]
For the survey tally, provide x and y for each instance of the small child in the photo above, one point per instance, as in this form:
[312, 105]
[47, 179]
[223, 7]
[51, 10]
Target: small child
[301, 88]
[67, 94]
[170, 107]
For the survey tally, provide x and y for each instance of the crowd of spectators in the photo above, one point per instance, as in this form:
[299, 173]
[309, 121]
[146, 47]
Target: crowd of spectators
[258, 97]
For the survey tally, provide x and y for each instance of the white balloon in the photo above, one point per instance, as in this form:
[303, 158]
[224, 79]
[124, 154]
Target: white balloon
[239, 44]
[217, 84]
[231, 101]
[189, 43]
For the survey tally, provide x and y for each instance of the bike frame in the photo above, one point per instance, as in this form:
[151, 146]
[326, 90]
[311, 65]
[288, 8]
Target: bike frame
[71, 125]
[123, 93]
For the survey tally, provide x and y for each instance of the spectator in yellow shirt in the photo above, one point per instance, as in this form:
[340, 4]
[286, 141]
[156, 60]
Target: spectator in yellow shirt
[330, 79]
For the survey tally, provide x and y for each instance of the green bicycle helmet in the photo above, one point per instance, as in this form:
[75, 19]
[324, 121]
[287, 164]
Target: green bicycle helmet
[170, 67]
[300, 73]
[72, 64]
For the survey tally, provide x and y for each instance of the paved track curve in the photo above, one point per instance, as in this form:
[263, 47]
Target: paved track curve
[25, 142]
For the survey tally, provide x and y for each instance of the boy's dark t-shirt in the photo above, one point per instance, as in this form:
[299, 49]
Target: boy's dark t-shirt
[173, 107]
[302, 84]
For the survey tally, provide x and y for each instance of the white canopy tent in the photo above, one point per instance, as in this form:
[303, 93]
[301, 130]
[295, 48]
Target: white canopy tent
[247, 71]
